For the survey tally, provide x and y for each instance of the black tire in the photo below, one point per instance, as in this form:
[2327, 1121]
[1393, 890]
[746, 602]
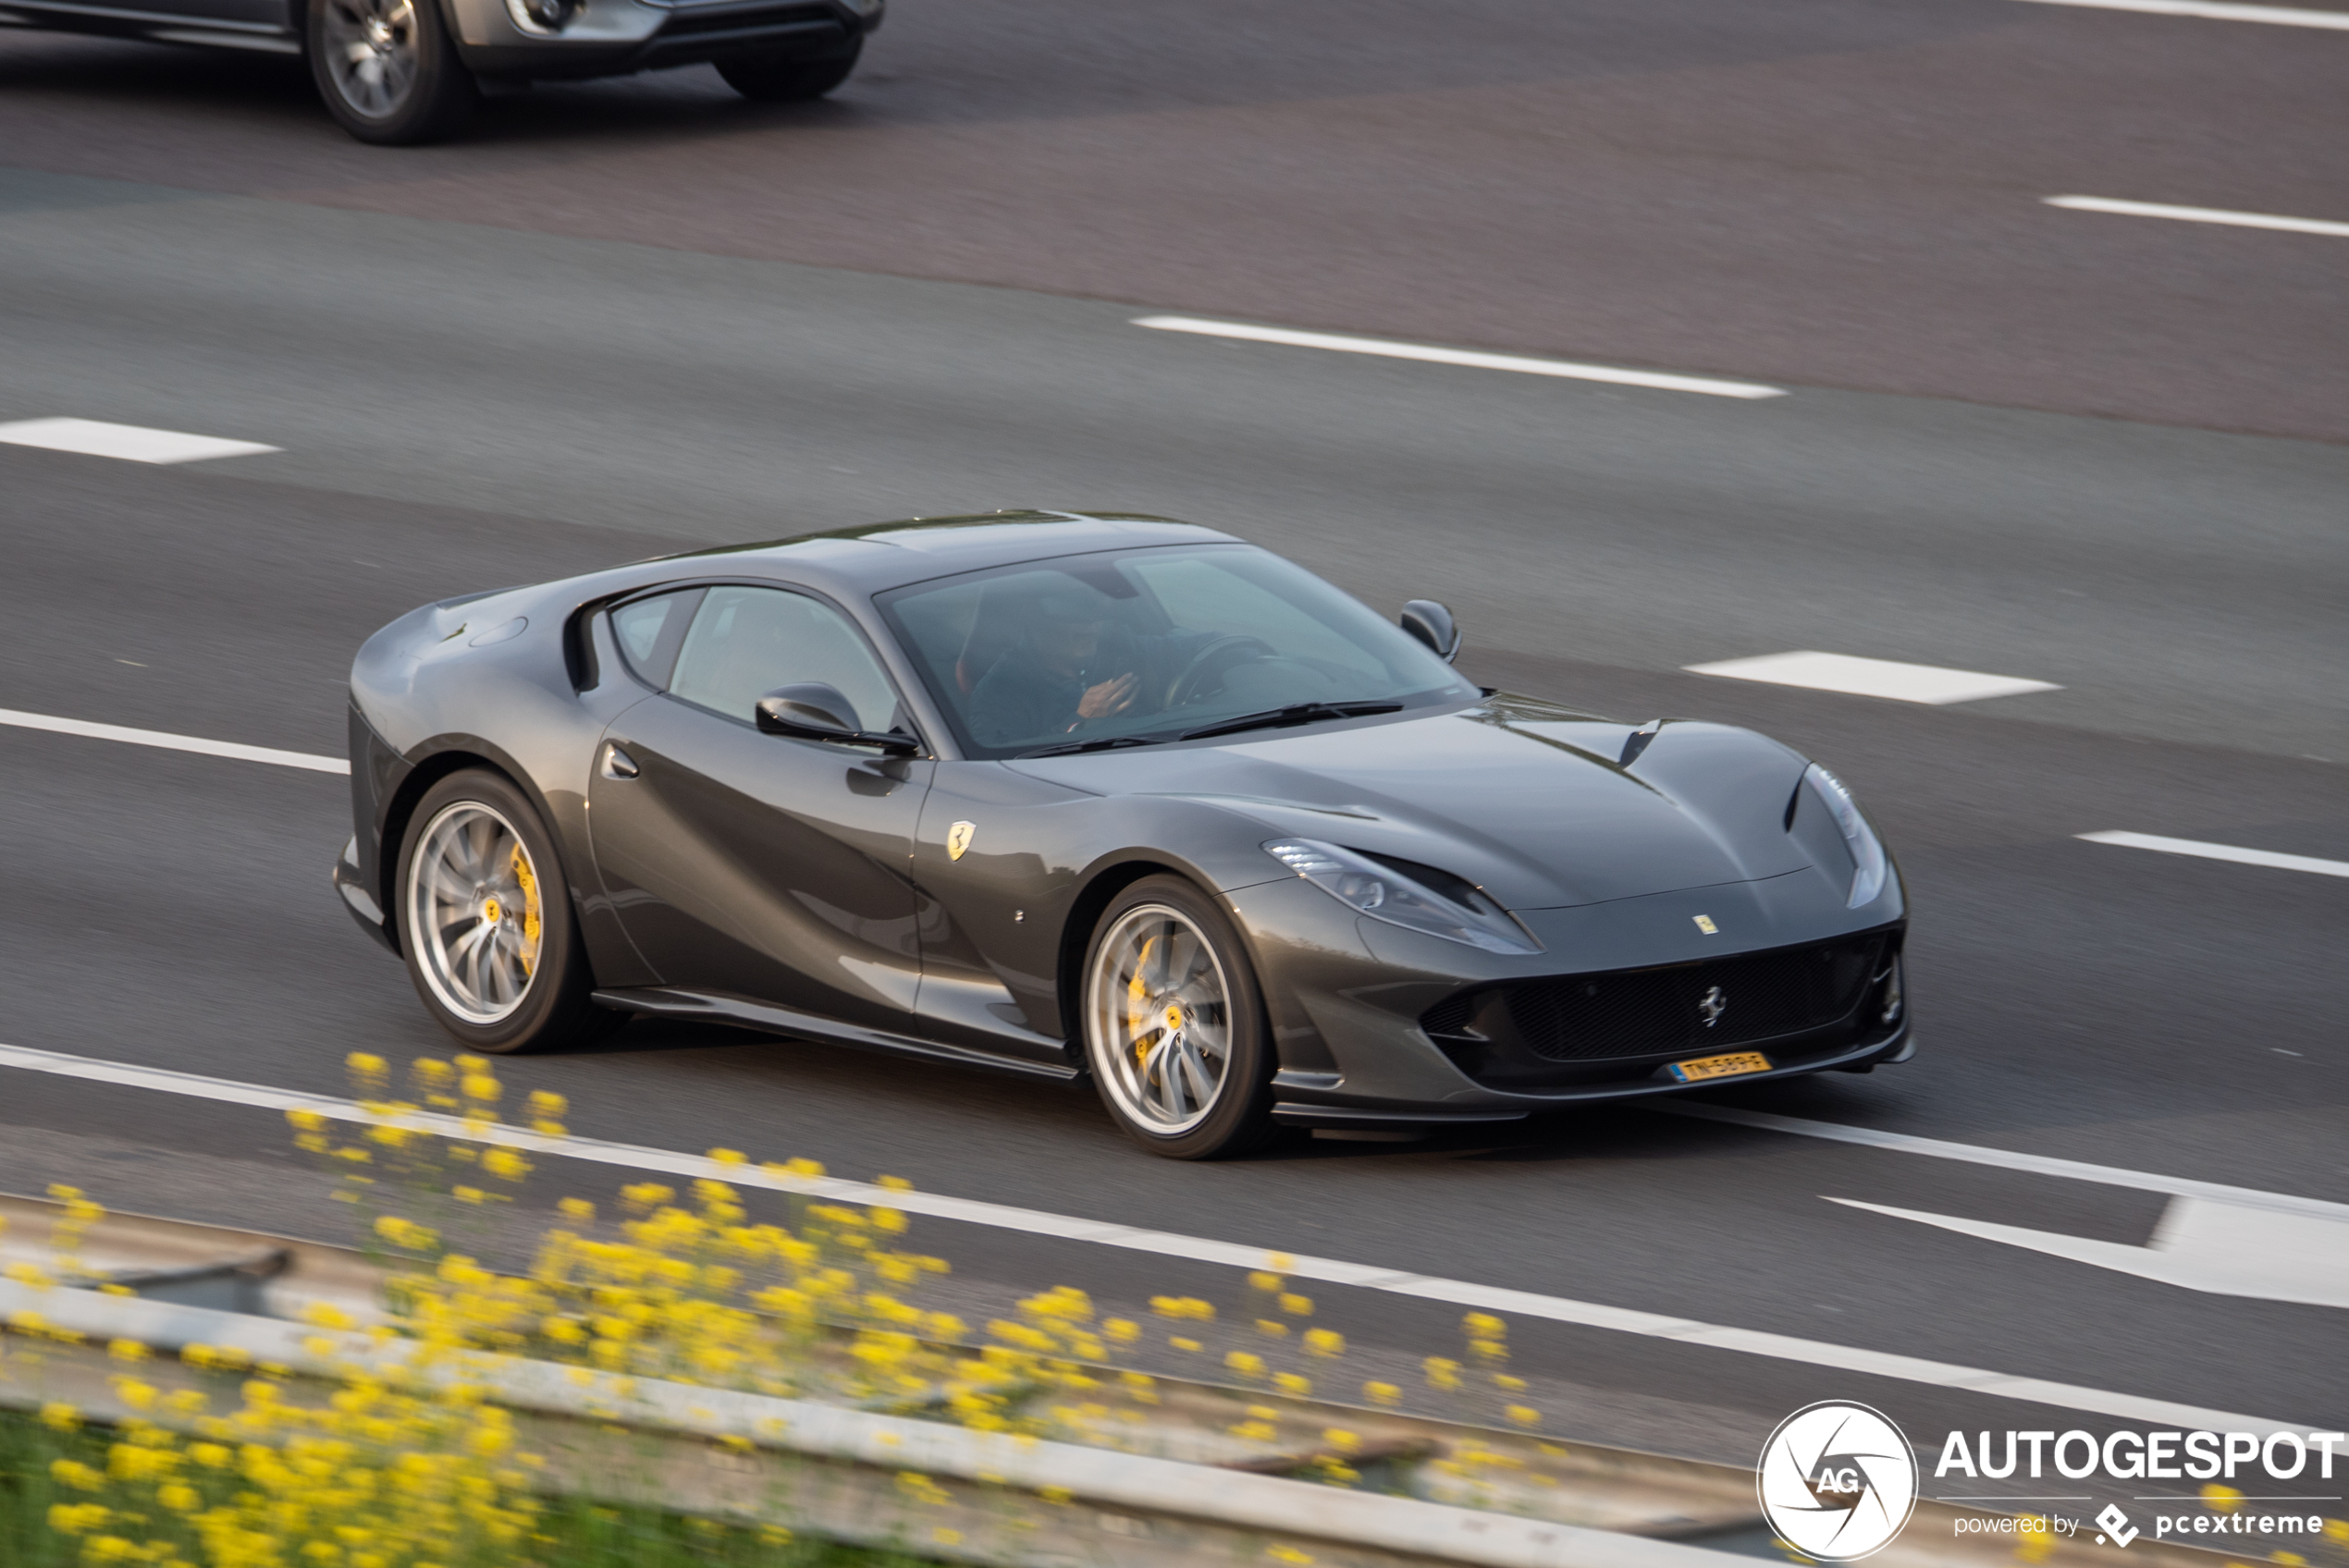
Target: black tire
[771, 79]
[1132, 1017]
[405, 85]
[549, 1008]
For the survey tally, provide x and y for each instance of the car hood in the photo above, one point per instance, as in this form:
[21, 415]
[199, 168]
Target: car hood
[1527, 800]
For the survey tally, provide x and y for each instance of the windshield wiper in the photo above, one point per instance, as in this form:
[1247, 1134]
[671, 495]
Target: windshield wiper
[1296, 713]
[1098, 743]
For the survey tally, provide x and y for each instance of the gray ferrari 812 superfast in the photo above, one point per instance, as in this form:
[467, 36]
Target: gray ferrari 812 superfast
[1073, 794]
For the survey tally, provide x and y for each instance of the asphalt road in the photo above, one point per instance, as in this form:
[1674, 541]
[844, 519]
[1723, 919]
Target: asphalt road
[465, 404]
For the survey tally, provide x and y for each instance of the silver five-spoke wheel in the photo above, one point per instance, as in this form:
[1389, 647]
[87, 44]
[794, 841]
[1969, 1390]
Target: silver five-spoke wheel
[475, 910]
[1159, 1018]
[371, 52]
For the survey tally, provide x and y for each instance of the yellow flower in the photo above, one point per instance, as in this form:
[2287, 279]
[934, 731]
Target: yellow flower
[1381, 1393]
[180, 1497]
[1325, 1341]
[1245, 1363]
[1288, 1554]
[893, 1183]
[504, 1164]
[1266, 1326]
[365, 1066]
[1263, 1280]
[1523, 1415]
[548, 1104]
[645, 1195]
[127, 1349]
[73, 1473]
[579, 1211]
[468, 1194]
[1341, 1440]
[1293, 1384]
[1183, 1306]
[1443, 1372]
[60, 1418]
[1508, 1384]
[1179, 1342]
[1296, 1305]
[481, 1086]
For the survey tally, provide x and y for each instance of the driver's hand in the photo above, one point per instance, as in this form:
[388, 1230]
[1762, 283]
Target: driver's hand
[1112, 696]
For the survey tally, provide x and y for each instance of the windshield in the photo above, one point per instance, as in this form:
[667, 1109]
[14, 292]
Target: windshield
[1150, 645]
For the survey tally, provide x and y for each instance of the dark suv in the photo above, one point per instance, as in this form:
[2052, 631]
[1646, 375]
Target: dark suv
[409, 70]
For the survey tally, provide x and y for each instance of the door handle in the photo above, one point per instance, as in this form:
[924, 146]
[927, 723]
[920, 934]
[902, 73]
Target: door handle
[619, 764]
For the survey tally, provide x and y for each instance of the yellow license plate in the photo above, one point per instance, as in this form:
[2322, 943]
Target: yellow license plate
[1730, 1066]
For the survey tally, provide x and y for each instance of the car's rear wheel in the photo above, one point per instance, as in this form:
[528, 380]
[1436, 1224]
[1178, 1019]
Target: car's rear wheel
[772, 78]
[485, 921]
[389, 70]
[1175, 1026]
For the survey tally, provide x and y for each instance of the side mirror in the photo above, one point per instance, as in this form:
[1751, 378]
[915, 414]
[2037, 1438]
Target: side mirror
[1433, 624]
[815, 711]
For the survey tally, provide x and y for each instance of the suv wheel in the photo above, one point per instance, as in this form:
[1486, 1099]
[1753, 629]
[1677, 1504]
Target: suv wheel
[771, 78]
[389, 69]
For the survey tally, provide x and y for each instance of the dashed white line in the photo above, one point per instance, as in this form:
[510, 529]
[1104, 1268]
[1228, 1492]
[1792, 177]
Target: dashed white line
[132, 443]
[1521, 364]
[971, 1211]
[1872, 677]
[2200, 215]
[2221, 851]
[2217, 10]
[170, 742]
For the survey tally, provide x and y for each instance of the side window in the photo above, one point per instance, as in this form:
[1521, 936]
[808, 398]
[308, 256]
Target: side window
[746, 642]
[648, 631]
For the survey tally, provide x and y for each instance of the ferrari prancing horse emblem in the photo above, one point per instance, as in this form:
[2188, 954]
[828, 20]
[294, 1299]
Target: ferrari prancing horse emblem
[1714, 1003]
[958, 839]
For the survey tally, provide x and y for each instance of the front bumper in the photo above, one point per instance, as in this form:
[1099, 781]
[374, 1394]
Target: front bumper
[351, 881]
[1348, 998]
[615, 37]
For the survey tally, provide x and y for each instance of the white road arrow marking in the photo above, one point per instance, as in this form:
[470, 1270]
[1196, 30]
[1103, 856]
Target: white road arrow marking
[2223, 1248]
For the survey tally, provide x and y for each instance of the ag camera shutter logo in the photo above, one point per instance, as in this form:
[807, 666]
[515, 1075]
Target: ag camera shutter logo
[1837, 1481]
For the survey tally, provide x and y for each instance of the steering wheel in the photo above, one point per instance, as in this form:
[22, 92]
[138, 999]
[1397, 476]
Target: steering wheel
[1210, 660]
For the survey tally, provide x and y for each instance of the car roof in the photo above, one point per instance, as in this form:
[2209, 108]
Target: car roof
[878, 557]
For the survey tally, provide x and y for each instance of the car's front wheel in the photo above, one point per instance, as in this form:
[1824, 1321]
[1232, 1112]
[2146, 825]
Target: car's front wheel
[389, 69]
[772, 78]
[1175, 1026]
[485, 921]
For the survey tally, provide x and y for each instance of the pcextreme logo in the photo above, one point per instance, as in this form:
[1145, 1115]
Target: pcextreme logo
[1837, 1481]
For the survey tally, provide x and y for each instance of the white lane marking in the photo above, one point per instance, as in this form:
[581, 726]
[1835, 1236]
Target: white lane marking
[1872, 677]
[2007, 1159]
[2216, 10]
[170, 742]
[1522, 364]
[1004, 1217]
[134, 443]
[2220, 1248]
[2221, 851]
[2199, 214]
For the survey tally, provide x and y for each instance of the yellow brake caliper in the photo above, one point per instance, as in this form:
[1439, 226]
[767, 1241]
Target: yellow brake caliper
[529, 910]
[1138, 998]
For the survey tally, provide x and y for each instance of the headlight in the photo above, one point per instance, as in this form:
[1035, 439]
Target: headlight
[1867, 850]
[1379, 891]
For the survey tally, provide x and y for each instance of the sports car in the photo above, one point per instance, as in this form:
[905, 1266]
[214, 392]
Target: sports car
[1098, 795]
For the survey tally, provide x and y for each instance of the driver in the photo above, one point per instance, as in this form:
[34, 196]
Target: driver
[1055, 679]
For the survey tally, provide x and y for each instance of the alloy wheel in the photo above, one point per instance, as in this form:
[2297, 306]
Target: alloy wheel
[1158, 1017]
[371, 53]
[474, 912]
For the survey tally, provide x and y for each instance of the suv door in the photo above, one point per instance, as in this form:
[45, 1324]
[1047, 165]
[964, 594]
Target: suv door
[750, 863]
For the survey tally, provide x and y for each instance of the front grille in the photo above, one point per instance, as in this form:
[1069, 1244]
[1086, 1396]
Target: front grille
[684, 20]
[1662, 1012]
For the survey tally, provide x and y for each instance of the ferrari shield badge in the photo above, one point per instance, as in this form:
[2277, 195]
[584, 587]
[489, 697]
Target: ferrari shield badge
[1704, 922]
[958, 839]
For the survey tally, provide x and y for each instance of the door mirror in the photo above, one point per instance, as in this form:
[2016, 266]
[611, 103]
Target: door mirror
[814, 711]
[1433, 624]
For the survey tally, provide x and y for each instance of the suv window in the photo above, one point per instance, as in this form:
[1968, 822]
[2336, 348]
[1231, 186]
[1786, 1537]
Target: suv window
[746, 642]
